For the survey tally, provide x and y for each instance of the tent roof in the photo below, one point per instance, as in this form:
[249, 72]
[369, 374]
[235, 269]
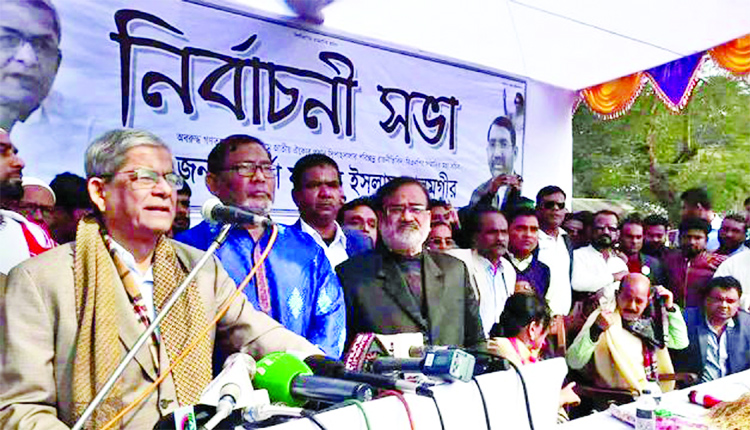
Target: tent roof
[571, 44]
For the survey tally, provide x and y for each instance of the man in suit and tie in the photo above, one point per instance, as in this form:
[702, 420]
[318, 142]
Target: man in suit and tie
[70, 315]
[400, 288]
[719, 333]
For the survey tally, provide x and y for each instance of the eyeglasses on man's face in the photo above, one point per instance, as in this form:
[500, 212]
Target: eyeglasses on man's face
[142, 178]
[11, 42]
[248, 169]
[397, 211]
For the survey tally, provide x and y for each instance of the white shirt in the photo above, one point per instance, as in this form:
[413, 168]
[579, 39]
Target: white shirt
[336, 251]
[591, 272]
[13, 246]
[554, 253]
[712, 244]
[738, 266]
[492, 287]
[145, 281]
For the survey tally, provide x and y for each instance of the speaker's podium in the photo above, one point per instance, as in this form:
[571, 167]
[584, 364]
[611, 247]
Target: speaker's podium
[460, 404]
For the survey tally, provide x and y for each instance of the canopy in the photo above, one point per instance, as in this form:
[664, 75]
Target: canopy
[570, 44]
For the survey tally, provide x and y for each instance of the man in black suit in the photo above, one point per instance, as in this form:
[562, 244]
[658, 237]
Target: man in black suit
[398, 287]
[719, 333]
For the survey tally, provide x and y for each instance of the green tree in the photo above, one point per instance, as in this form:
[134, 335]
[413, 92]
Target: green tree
[650, 155]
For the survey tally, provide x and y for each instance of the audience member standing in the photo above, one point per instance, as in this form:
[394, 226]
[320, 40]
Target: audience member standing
[555, 248]
[597, 269]
[732, 235]
[72, 203]
[631, 243]
[655, 235]
[691, 266]
[359, 214]
[318, 194]
[492, 276]
[531, 274]
[20, 238]
[696, 203]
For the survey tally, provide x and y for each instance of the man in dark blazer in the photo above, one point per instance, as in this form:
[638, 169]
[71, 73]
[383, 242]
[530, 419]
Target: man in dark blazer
[399, 288]
[719, 333]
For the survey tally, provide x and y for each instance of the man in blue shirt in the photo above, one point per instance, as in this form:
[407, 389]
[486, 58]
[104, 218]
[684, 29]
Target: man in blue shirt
[295, 285]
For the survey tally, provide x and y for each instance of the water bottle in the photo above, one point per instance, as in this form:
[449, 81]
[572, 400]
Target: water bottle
[655, 389]
[645, 408]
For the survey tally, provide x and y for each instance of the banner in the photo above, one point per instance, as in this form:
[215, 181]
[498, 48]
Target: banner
[194, 73]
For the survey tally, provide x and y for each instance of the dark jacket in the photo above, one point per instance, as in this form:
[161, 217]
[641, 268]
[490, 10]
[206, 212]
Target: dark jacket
[378, 299]
[693, 358]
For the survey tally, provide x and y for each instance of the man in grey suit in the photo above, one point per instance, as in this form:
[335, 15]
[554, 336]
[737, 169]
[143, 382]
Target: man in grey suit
[399, 288]
[719, 333]
[71, 314]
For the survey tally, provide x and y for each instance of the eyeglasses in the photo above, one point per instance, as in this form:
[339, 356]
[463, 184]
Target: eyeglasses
[44, 45]
[143, 178]
[549, 205]
[248, 169]
[605, 227]
[399, 210]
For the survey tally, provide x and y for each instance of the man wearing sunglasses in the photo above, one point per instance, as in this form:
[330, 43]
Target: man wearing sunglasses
[597, 268]
[296, 284]
[555, 247]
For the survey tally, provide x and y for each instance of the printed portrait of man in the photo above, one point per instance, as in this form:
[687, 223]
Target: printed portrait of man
[502, 150]
[29, 57]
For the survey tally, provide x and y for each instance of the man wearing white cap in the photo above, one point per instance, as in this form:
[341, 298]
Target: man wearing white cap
[38, 201]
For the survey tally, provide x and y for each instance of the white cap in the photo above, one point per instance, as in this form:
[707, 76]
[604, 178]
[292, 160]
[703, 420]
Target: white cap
[28, 181]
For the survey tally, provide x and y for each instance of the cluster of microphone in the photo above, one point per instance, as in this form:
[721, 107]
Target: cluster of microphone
[281, 383]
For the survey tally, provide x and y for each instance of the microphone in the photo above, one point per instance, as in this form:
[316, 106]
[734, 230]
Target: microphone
[231, 389]
[289, 380]
[325, 366]
[215, 211]
[450, 363]
[705, 400]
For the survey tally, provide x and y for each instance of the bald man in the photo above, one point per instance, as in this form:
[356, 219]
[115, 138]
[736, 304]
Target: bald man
[627, 347]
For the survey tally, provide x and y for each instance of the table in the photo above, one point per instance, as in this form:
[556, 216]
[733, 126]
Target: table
[728, 388]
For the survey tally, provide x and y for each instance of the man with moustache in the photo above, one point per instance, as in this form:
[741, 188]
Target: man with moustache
[597, 268]
[401, 288]
[318, 194]
[296, 284]
[626, 348]
[503, 189]
[523, 248]
[492, 275]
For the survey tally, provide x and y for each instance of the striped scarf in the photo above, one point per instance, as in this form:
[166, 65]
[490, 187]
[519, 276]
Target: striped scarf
[98, 350]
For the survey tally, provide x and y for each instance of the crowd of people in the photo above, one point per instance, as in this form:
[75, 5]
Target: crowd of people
[91, 261]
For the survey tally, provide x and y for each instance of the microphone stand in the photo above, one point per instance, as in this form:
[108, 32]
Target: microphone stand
[218, 241]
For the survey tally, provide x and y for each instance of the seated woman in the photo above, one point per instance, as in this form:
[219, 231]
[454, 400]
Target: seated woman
[520, 334]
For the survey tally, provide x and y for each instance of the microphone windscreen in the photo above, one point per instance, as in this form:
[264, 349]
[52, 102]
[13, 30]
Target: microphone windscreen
[275, 373]
[208, 208]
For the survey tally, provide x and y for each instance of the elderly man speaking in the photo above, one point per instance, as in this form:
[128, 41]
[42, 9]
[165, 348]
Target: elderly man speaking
[628, 345]
[71, 314]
